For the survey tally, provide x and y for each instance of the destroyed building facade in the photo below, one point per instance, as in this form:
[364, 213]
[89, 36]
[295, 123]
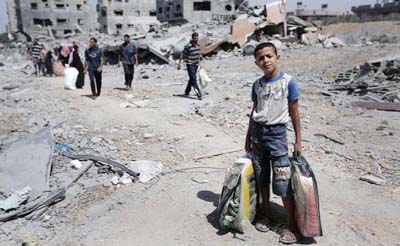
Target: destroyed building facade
[378, 10]
[126, 16]
[196, 11]
[314, 15]
[60, 17]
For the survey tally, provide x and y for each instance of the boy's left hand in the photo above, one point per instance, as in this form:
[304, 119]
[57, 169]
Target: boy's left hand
[297, 149]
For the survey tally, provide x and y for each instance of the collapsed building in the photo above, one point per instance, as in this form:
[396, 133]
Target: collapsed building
[54, 17]
[124, 16]
[378, 10]
[196, 11]
[317, 16]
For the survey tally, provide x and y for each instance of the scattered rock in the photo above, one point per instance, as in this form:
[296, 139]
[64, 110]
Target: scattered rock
[374, 179]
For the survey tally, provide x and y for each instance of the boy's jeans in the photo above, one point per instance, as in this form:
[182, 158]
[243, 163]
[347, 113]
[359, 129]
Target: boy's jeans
[271, 150]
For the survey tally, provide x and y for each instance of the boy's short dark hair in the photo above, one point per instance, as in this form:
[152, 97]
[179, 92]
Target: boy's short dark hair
[195, 34]
[93, 39]
[126, 36]
[264, 45]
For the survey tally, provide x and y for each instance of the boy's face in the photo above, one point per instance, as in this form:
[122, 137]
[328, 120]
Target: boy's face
[267, 60]
[195, 39]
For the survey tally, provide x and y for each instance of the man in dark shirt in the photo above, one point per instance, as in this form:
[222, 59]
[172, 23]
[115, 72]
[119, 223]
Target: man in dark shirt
[35, 52]
[191, 54]
[94, 65]
[128, 56]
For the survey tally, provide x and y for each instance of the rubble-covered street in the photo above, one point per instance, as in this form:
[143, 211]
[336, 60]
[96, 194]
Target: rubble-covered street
[342, 141]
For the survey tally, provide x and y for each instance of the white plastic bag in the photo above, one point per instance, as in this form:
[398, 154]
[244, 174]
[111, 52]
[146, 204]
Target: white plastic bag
[71, 74]
[203, 78]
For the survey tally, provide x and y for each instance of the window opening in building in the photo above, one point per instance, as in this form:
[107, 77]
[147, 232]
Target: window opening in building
[202, 6]
[104, 11]
[33, 5]
[228, 7]
[118, 26]
[42, 22]
[119, 12]
[79, 6]
[60, 6]
[61, 21]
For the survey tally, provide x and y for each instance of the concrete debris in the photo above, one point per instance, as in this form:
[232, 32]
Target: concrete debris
[124, 180]
[136, 104]
[10, 87]
[376, 81]
[147, 169]
[333, 43]
[248, 49]
[374, 179]
[76, 164]
[27, 162]
[104, 161]
[15, 199]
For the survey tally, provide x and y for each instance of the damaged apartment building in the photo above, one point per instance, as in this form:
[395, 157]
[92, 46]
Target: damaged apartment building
[126, 16]
[51, 17]
[195, 11]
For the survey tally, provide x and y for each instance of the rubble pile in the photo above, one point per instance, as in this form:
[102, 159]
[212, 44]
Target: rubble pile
[375, 81]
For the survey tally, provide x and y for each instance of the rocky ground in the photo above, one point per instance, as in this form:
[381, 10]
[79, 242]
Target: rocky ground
[178, 208]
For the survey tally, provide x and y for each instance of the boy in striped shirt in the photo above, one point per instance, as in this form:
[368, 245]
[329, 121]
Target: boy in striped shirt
[35, 52]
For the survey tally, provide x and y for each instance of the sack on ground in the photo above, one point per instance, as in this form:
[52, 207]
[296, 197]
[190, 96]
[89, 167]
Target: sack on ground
[306, 197]
[238, 199]
[71, 74]
[204, 80]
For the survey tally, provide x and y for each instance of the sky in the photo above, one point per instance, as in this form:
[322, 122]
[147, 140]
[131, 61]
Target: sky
[338, 5]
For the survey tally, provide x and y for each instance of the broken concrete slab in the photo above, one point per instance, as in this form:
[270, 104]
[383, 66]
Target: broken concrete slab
[27, 162]
[242, 29]
[15, 199]
[374, 179]
[147, 169]
[334, 42]
[377, 106]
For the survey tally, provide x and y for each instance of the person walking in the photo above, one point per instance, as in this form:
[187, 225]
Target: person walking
[129, 59]
[191, 54]
[94, 66]
[35, 52]
[69, 56]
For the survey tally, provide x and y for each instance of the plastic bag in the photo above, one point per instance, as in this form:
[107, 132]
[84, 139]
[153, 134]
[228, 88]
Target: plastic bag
[204, 80]
[306, 197]
[71, 74]
[238, 201]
